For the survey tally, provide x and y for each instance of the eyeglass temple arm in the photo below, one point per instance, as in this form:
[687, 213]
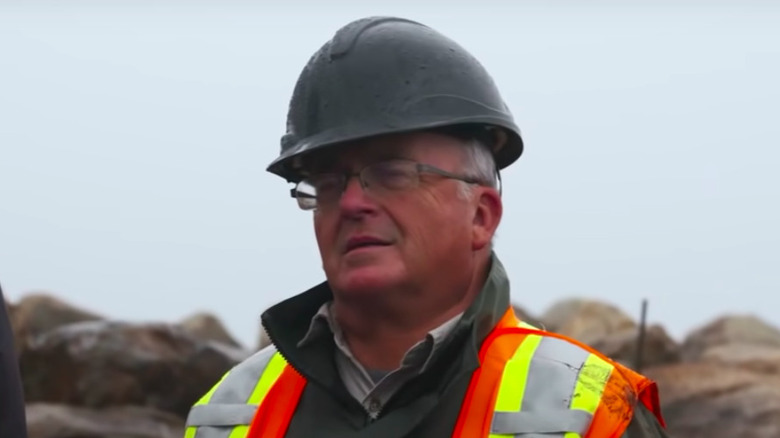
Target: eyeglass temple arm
[500, 183]
[294, 194]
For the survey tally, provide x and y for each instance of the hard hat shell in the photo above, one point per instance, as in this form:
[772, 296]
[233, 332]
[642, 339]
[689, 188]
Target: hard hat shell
[385, 75]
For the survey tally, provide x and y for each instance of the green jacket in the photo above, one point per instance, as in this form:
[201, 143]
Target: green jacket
[427, 406]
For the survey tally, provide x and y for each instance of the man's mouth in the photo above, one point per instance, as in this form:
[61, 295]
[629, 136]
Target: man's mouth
[364, 242]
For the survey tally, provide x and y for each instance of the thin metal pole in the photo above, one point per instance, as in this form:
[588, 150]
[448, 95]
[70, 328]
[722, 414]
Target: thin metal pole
[640, 343]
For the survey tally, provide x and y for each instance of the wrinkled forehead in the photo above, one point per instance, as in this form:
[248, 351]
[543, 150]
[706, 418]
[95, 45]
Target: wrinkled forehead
[421, 146]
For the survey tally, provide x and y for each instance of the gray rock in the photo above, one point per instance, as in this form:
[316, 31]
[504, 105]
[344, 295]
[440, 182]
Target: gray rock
[732, 329]
[658, 348]
[704, 400]
[38, 313]
[208, 327]
[107, 363]
[586, 320]
[61, 421]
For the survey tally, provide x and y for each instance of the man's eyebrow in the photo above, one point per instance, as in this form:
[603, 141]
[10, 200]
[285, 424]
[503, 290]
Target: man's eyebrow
[316, 164]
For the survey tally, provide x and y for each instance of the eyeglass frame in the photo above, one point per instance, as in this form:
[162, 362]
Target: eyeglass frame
[419, 168]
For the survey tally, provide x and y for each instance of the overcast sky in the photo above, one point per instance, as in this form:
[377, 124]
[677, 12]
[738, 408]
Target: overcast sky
[134, 138]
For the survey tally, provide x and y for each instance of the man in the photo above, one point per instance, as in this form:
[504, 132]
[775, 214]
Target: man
[13, 421]
[394, 140]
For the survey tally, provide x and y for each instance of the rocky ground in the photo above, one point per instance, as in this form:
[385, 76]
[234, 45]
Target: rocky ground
[87, 376]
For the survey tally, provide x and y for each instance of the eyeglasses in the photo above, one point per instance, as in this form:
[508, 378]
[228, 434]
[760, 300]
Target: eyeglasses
[379, 178]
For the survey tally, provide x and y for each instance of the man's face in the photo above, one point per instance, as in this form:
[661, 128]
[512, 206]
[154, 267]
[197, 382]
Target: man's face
[401, 240]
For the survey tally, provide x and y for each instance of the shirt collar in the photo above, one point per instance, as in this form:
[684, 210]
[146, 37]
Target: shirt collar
[324, 324]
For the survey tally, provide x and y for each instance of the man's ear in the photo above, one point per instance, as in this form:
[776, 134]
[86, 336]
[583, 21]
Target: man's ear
[487, 217]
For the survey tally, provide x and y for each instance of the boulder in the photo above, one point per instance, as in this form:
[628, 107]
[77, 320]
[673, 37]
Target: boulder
[110, 363]
[61, 421]
[732, 329]
[753, 357]
[208, 327]
[658, 347]
[38, 313]
[586, 320]
[707, 400]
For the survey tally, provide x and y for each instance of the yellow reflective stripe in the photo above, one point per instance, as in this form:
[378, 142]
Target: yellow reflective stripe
[270, 375]
[190, 432]
[591, 382]
[510, 396]
[239, 431]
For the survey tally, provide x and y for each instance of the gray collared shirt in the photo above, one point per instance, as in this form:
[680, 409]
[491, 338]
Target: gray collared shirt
[373, 388]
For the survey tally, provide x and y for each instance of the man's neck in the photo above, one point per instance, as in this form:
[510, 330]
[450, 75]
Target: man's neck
[379, 335]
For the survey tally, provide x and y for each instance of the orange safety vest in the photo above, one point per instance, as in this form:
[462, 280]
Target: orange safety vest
[605, 392]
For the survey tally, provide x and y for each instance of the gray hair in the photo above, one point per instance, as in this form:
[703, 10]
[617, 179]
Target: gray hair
[479, 165]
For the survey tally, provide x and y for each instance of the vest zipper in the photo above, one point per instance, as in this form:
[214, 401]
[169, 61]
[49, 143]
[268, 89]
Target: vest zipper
[276, 345]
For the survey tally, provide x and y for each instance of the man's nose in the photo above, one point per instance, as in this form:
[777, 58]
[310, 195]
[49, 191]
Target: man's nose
[354, 199]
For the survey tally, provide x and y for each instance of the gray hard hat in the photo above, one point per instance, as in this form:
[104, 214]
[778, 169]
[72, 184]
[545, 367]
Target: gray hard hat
[385, 75]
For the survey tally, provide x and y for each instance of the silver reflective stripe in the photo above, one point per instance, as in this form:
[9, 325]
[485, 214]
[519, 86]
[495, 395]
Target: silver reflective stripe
[540, 422]
[239, 384]
[553, 374]
[234, 390]
[552, 378]
[221, 414]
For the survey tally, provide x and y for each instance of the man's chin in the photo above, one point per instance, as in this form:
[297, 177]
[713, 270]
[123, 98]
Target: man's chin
[365, 281]
[368, 255]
